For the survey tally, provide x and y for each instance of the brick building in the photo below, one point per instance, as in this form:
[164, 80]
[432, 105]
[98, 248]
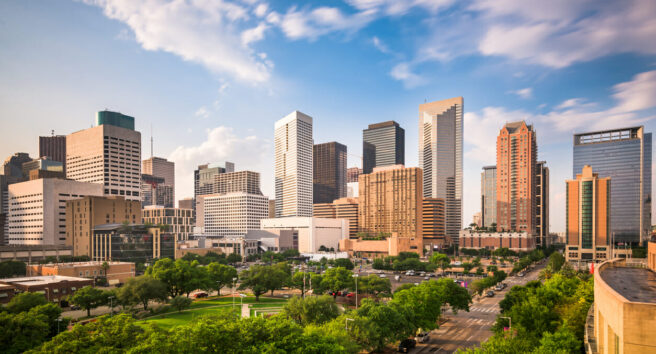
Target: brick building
[515, 241]
[117, 272]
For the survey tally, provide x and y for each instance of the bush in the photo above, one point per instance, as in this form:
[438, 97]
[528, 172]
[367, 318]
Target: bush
[180, 303]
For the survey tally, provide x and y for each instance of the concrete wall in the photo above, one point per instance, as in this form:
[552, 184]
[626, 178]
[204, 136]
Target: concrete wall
[391, 246]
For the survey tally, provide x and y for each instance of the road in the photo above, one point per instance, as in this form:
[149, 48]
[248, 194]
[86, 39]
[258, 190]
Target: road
[469, 329]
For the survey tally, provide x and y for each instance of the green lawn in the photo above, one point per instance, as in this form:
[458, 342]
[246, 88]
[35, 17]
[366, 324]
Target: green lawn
[209, 306]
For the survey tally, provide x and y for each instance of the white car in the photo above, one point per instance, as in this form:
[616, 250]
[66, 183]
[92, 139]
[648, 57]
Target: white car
[422, 337]
[457, 263]
[383, 275]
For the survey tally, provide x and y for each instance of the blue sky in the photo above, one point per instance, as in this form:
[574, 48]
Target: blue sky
[211, 77]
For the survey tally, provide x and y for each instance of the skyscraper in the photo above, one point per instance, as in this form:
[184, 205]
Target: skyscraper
[293, 171]
[329, 182]
[54, 148]
[517, 153]
[204, 177]
[624, 155]
[13, 167]
[155, 192]
[383, 144]
[240, 181]
[440, 157]
[542, 204]
[352, 174]
[489, 195]
[161, 168]
[107, 154]
[587, 216]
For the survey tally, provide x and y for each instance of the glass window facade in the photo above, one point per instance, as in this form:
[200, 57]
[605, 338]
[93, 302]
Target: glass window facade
[115, 119]
[383, 144]
[329, 181]
[586, 214]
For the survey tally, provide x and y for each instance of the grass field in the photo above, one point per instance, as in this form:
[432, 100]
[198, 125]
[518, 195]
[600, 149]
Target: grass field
[210, 306]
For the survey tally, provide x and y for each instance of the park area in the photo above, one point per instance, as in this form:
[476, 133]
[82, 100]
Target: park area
[212, 306]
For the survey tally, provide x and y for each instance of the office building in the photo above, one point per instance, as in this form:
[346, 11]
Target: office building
[517, 153]
[186, 203]
[4, 209]
[154, 191]
[43, 164]
[272, 208]
[220, 245]
[108, 154]
[433, 223]
[55, 288]
[343, 208]
[588, 216]
[231, 214]
[624, 155]
[477, 219]
[352, 174]
[311, 233]
[514, 241]
[204, 178]
[131, 243]
[117, 272]
[13, 167]
[240, 181]
[392, 245]
[85, 213]
[37, 209]
[353, 190]
[164, 169]
[54, 148]
[391, 201]
[542, 204]
[440, 157]
[383, 144]
[329, 181]
[489, 196]
[178, 221]
[293, 165]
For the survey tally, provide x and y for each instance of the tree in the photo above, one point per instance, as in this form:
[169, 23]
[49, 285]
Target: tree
[261, 279]
[345, 263]
[373, 284]
[290, 253]
[52, 314]
[166, 271]
[301, 281]
[479, 271]
[441, 260]
[105, 267]
[89, 298]
[21, 332]
[378, 324]
[180, 303]
[220, 275]
[141, 290]
[337, 279]
[311, 310]
[233, 258]
[10, 269]
[25, 301]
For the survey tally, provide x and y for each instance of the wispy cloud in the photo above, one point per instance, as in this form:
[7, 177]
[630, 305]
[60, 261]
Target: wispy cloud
[403, 73]
[524, 93]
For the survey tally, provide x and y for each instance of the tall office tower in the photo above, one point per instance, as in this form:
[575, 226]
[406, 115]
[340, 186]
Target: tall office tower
[37, 214]
[624, 155]
[204, 177]
[352, 174]
[588, 223]
[272, 208]
[4, 209]
[440, 157]
[54, 148]
[517, 152]
[231, 214]
[391, 201]
[13, 167]
[329, 172]
[85, 213]
[433, 218]
[108, 154]
[240, 181]
[383, 144]
[489, 196]
[293, 172]
[155, 192]
[542, 204]
[343, 208]
[162, 168]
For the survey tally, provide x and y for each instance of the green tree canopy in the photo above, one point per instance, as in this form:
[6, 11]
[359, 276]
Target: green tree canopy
[180, 303]
[25, 301]
[337, 279]
[311, 310]
[220, 275]
[89, 298]
[142, 290]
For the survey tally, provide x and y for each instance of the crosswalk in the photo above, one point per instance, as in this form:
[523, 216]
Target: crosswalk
[484, 309]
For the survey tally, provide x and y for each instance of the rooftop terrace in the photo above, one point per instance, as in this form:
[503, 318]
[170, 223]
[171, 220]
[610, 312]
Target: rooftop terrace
[635, 284]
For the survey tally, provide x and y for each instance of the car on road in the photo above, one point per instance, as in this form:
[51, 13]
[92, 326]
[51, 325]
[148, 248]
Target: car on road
[382, 275]
[489, 293]
[457, 263]
[426, 278]
[397, 277]
[350, 295]
[75, 308]
[200, 295]
[521, 274]
[407, 344]
[422, 337]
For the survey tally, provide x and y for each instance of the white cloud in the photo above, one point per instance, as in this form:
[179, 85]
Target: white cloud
[202, 112]
[253, 34]
[310, 24]
[524, 93]
[637, 94]
[380, 45]
[396, 8]
[205, 32]
[261, 10]
[221, 144]
[403, 73]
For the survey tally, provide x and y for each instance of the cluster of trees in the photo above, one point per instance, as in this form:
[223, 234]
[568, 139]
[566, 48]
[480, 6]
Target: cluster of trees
[212, 257]
[530, 258]
[546, 317]
[478, 286]
[27, 321]
[404, 261]
[64, 259]
[181, 277]
[10, 269]
[311, 325]
[273, 257]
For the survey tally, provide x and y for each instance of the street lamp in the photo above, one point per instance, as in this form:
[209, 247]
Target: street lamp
[509, 323]
[356, 290]
[346, 322]
[58, 322]
[234, 281]
[111, 305]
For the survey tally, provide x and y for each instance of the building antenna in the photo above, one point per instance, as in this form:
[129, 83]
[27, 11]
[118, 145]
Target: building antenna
[151, 140]
[52, 132]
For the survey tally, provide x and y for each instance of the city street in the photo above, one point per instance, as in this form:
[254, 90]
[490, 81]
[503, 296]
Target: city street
[469, 329]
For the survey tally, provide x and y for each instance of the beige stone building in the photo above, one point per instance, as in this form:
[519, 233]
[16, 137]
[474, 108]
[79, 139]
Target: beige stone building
[82, 215]
[515, 241]
[433, 223]
[343, 208]
[178, 221]
[391, 201]
[391, 246]
[117, 272]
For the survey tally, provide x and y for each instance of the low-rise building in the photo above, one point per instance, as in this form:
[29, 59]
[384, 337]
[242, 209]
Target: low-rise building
[131, 243]
[342, 208]
[225, 245]
[55, 288]
[515, 241]
[33, 253]
[178, 221]
[387, 246]
[116, 272]
[311, 233]
[274, 241]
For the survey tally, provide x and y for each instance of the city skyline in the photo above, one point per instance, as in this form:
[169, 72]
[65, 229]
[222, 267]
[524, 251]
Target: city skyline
[576, 93]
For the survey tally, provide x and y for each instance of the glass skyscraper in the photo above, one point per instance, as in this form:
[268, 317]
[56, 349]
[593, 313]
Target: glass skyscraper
[329, 180]
[489, 195]
[383, 144]
[624, 155]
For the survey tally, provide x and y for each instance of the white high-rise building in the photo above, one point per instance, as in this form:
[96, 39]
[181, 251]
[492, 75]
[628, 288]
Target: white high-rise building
[108, 154]
[231, 214]
[293, 173]
[37, 209]
[161, 168]
[440, 157]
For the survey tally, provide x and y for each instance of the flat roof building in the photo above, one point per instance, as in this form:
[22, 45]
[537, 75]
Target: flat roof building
[329, 180]
[343, 208]
[116, 272]
[131, 243]
[55, 288]
[178, 221]
[383, 144]
[311, 232]
[515, 241]
[161, 168]
[231, 214]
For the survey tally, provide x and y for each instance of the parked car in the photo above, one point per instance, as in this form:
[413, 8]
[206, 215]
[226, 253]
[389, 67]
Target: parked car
[345, 293]
[350, 295]
[520, 274]
[489, 293]
[75, 307]
[200, 295]
[422, 337]
[457, 263]
[426, 278]
[407, 344]
[397, 277]
[383, 275]
[431, 275]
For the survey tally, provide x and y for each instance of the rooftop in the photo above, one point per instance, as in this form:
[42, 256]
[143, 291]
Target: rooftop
[40, 280]
[82, 264]
[635, 284]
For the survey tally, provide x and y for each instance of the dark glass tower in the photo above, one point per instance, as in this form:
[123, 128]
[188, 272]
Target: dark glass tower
[329, 176]
[624, 155]
[53, 147]
[382, 144]
[115, 119]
